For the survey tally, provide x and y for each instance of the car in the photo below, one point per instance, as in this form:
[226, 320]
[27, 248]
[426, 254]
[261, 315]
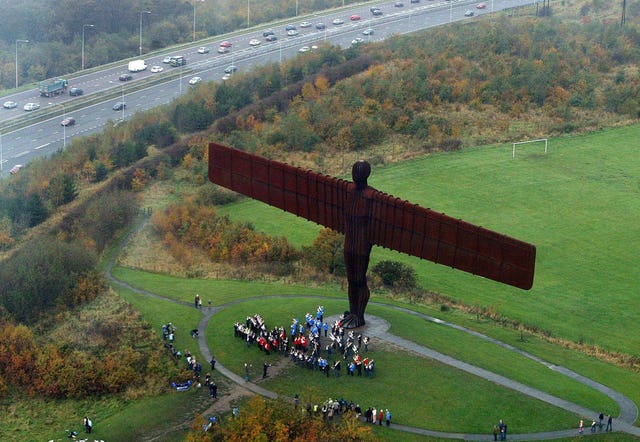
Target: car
[321, 26]
[120, 105]
[290, 28]
[125, 77]
[415, 1]
[225, 77]
[195, 80]
[223, 50]
[304, 49]
[367, 31]
[271, 37]
[9, 104]
[75, 91]
[398, 4]
[357, 41]
[254, 42]
[177, 61]
[167, 59]
[468, 13]
[15, 169]
[305, 24]
[337, 21]
[203, 50]
[156, 69]
[31, 107]
[267, 33]
[354, 17]
[377, 11]
[226, 44]
[230, 69]
[482, 5]
[69, 121]
[292, 32]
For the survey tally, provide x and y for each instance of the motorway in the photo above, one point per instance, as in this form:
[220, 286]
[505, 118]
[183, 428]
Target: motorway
[25, 136]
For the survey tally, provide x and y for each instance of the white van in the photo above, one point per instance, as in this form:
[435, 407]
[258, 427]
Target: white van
[137, 66]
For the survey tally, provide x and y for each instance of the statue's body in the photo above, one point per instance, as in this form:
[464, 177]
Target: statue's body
[367, 216]
[357, 243]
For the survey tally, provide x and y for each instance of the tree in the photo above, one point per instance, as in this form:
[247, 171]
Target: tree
[326, 254]
[101, 171]
[35, 209]
[62, 190]
[40, 275]
[128, 152]
[276, 420]
[106, 215]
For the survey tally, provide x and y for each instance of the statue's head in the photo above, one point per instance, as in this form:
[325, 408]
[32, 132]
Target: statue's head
[360, 172]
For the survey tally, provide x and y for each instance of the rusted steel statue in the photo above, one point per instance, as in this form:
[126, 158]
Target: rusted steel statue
[367, 216]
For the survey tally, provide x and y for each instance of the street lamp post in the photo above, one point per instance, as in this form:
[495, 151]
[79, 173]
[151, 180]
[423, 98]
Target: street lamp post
[248, 14]
[83, 28]
[140, 13]
[18, 41]
[194, 20]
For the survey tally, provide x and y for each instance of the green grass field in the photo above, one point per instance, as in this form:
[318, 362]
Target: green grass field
[464, 395]
[579, 205]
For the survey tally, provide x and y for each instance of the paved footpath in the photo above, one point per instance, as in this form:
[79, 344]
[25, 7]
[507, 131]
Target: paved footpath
[379, 328]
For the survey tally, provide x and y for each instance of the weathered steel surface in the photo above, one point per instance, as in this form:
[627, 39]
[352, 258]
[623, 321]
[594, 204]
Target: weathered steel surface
[394, 223]
[369, 217]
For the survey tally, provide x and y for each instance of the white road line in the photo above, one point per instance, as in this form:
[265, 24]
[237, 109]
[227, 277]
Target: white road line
[21, 154]
[41, 146]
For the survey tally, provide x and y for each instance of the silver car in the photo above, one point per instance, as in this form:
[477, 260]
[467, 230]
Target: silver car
[31, 107]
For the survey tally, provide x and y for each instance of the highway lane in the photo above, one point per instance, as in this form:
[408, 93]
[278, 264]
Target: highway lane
[42, 138]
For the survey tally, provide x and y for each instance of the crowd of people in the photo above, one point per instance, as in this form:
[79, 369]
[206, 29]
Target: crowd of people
[336, 407]
[194, 366]
[312, 344]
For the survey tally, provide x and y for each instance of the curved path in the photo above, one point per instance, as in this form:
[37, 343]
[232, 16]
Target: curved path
[379, 328]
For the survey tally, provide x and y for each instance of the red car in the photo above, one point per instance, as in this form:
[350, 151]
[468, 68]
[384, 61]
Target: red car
[226, 44]
[481, 5]
[355, 17]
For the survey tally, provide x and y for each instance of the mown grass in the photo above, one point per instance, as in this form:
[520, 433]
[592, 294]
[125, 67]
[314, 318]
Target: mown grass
[397, 371]
[437, 337]
[579, 204]
[416, 389]
[620, 379]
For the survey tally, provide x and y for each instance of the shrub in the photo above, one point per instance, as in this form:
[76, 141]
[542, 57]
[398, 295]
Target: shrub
[396, 274]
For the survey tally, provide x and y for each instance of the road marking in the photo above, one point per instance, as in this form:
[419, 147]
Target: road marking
[21, 154]
[40, 147]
